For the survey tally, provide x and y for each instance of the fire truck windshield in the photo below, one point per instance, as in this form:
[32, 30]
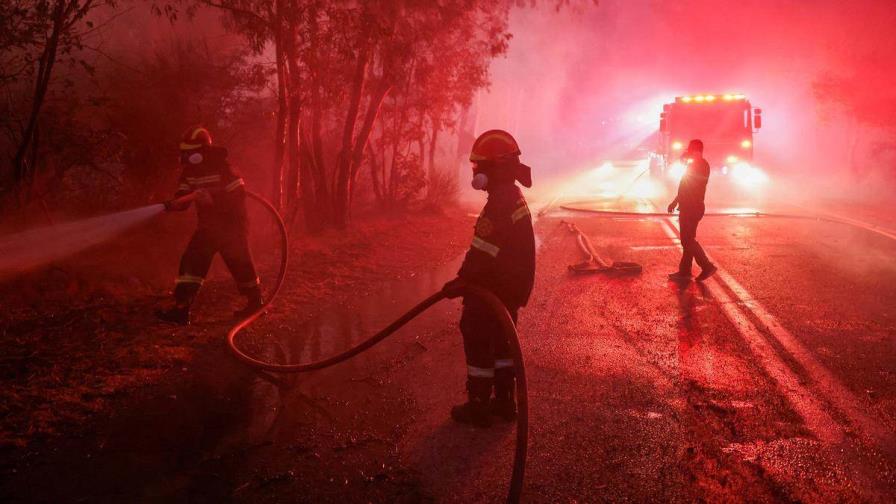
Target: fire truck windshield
[719, 122]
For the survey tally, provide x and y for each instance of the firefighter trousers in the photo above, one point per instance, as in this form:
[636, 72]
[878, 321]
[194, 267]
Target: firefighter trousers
[489, 359]
[197, 259]
[690, 248]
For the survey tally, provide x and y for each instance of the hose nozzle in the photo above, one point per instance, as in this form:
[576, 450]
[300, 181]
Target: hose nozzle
[180, 204]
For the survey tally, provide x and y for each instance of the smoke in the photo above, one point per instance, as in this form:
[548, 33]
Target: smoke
[584, 85]
[30, 249]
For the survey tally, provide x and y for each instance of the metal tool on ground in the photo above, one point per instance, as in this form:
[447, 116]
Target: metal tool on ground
[594, 262]
[522, 428]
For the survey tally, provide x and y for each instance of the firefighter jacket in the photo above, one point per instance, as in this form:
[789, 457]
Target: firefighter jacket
[502, 255]
[692, 188]
[227, 211]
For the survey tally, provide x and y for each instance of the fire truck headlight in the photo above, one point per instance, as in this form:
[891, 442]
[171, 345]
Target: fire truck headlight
[748, 176]
[677, 145]
[731, 159]
[675, 171]
[746, 144]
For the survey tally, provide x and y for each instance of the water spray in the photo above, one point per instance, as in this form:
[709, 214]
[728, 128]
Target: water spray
[25, 251]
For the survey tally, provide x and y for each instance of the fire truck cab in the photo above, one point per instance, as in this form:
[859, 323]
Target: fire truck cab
[724, 122]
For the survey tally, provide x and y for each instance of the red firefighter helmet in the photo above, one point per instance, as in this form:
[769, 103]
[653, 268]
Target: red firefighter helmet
[494, 145]
[195, 138]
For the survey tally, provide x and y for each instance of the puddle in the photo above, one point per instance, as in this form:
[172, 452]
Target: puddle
[336, 328]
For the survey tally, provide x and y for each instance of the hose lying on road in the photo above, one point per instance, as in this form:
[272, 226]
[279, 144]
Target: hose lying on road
[594, 263]
[856, 224]
[497, 307]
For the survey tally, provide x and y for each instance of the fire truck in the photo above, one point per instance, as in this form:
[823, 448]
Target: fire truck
[724, 122]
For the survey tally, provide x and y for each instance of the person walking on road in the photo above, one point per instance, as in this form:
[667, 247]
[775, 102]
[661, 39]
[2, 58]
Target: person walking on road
[501, 259]
[689, 201]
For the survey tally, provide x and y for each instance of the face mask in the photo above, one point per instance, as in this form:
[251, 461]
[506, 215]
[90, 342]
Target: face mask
[480, 181]
[195, 158]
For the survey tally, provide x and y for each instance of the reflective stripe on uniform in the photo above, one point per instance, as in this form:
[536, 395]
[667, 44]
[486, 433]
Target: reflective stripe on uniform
[250, 283]
[478, 372]
[520, 212]
[233, 185]
[503, 363]
[189, 279]
[183, 187]
[204, 180]
[488, 248]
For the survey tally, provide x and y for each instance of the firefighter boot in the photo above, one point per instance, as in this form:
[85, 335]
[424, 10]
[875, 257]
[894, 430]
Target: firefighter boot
[475, 410]
[254, 302]
[503, 405]
[184, 294]
[177, 314]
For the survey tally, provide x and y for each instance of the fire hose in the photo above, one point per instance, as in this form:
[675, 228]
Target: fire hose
[507, 326]
[769, 215]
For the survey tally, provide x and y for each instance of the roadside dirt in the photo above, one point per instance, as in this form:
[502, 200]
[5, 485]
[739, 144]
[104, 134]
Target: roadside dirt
[102, 403]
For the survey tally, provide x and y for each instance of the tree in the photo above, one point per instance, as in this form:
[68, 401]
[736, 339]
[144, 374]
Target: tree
[37, 34]
[858, 84]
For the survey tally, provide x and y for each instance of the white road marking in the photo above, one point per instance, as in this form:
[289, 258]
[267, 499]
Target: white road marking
[811, 410]
[833, 390]
[802, 396]
[874, 228]
[670, 247]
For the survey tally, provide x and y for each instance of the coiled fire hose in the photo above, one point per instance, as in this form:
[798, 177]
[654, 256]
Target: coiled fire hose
[507, 326]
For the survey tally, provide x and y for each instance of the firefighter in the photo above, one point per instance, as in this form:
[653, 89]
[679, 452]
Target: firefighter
[689, 200]
[501, 259]
[223, 225]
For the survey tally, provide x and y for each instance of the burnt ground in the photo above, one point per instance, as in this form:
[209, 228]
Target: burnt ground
[102, 402]
[774, 382]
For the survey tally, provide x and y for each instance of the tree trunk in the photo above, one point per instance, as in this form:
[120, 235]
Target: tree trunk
[433, 143]
[375, 176]
[310, 204]
[465, 141]
[21, 166]
[376, 103]
[295, 106]
[323, 203]
[282, 110]
[291, 192]
[343, 168]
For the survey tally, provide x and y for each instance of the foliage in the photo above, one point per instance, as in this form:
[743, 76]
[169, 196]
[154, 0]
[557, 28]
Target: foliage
[178, 85]
[37, 36]
[858, 86]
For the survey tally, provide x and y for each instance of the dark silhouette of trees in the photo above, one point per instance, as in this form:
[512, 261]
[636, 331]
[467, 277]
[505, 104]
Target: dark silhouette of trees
[337, 64]
[36, 36]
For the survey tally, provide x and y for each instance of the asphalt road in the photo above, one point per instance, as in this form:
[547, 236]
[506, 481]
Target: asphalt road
[773, 381]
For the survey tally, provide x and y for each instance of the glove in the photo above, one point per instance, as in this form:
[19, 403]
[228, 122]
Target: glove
[672, 206]
[203, 197]
[454, 288]
[177, 205]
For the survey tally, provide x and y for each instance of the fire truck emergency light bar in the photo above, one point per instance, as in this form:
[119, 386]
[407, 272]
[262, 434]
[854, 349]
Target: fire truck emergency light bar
[709, 98]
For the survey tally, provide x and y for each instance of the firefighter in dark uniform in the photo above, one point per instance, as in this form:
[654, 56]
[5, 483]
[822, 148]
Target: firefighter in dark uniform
[689, 200]
[223, 225]
[501, 259]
